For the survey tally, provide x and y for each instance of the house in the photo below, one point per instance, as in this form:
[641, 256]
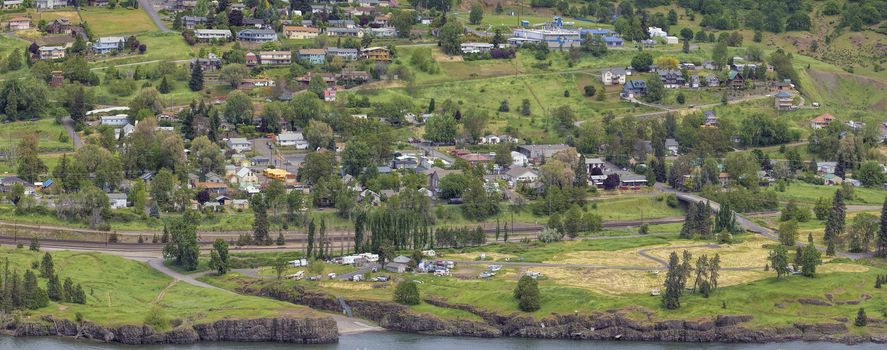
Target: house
[613, 76]
[257, 23]
[783, 101]
[519, 159]
[341, 23]
[656, 32]
[383, 32]
[370, 197]
[59, 26]
[300, 32]
[395, 267]
[347, 54]
[537, 152]
[671, 40]
[115, 120]
[257, 35]
[19, 23]
[246, 177]
[239, 144]
[249, 83]
[634, 88]
[711, 119]
[118, 200]
[204, 35]
[597, 32]
[211, 62]
[629, 180]
[348, 32]
[51, 52]
[376, 53]
[826, 167]
[292, 139]
[671, 78]
[353, 76]
[822, 121]
[108, 44]
[435, 174]
[405, 162]
[474, 48]
[50, 4]
[277, 57]
[12, 4]
[613, 41]
[191, 22]
[672, 146]
[329, 94]
[712, 81]
[521, 174]
[214, 188]
[735, 80]
[313, 56]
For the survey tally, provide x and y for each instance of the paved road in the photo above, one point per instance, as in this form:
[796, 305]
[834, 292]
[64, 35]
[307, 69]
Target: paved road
[157, 264]
[72, 133]
[747, 223]
[152, 12]
[430, 150]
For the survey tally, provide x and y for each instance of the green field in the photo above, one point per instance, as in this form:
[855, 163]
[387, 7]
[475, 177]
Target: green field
[47, 131]
[809, 194]
[107, 21]
[121, 291]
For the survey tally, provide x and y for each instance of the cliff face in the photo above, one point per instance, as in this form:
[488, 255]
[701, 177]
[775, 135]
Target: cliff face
[287, 330]
[597, 326]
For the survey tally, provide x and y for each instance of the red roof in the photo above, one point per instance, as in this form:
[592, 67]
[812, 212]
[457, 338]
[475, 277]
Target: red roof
[825, 118]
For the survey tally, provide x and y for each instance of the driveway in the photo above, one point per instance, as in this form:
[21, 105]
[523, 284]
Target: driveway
[72, 133]
[152, 12]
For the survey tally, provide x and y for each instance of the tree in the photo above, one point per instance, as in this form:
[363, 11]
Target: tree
[182, 247]
[54, 289]
[260, 219]
[642, 61]
[309, 250]
[238, 108]
[207, 156]
[449, 37]
[35, 244]
[671, 299]
[165, 87]
[834, 225]
[77, 107]
[787, 232]
[655, 89]
[870, 174]
[882, 231]
[14, 60]
[403, 22]
[527, 294]
[319, 135]
[810, 259]
[407, 293]
[441, 128]
[233, 74]
[861, 320]
[719, 54]
[30, 166]
[779, 261]
[46, 266]
[138, 196]
[476, 15]
[33, 297]
[196, 82]
[862, 232]
[219, 256]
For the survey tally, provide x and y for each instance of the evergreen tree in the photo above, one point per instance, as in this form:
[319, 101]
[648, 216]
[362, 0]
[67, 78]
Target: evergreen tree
[164, 238]
[35, 244]
[725, 219]
[671, 299]
[280, 239]
[834, 226]
[260, 222]
[79, 295]
[309, 250]
[323, 245]
[46, 266]
[581, 180]
[714, 269]
[196, 82]
[54, 289]
[164, 87]
[34, 297]
[68, 289]
[882, 231]
[861, 320]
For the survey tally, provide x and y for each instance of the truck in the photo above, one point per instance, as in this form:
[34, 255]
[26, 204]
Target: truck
[298, 262]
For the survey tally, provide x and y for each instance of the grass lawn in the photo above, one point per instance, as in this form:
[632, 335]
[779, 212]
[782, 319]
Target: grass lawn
[107, 21]
[47, 134]
[121, 291]
[808, 194]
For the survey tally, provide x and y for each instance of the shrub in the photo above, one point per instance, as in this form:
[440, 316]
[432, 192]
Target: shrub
[406, 293]
[157, 319]
[527, 294]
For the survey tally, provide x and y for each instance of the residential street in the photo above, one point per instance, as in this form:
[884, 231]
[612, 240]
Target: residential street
[152, 12]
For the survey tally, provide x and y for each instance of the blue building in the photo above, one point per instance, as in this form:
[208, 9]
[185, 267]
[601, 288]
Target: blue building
[347, 54]
[257, 35]
[634, 88]
[613, 41]
[597, 32]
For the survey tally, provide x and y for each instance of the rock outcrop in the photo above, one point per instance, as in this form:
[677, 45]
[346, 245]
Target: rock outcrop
[286, 330]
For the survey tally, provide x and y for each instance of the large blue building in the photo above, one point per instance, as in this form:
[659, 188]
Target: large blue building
[554, 38]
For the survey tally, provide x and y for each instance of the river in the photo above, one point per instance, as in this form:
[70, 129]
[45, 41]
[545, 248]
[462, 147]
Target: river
[392, 340]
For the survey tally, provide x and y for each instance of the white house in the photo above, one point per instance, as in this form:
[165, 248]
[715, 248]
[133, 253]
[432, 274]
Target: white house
[469, 48]
[672, 146]
[519, 159]
[239, 144]
[656, 32]
[118, 200]
[289, 139]
[613, 76]
[521, 174]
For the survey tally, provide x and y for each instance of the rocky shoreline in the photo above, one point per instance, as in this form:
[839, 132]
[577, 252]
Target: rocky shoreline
[610, 325]
[320, 330]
